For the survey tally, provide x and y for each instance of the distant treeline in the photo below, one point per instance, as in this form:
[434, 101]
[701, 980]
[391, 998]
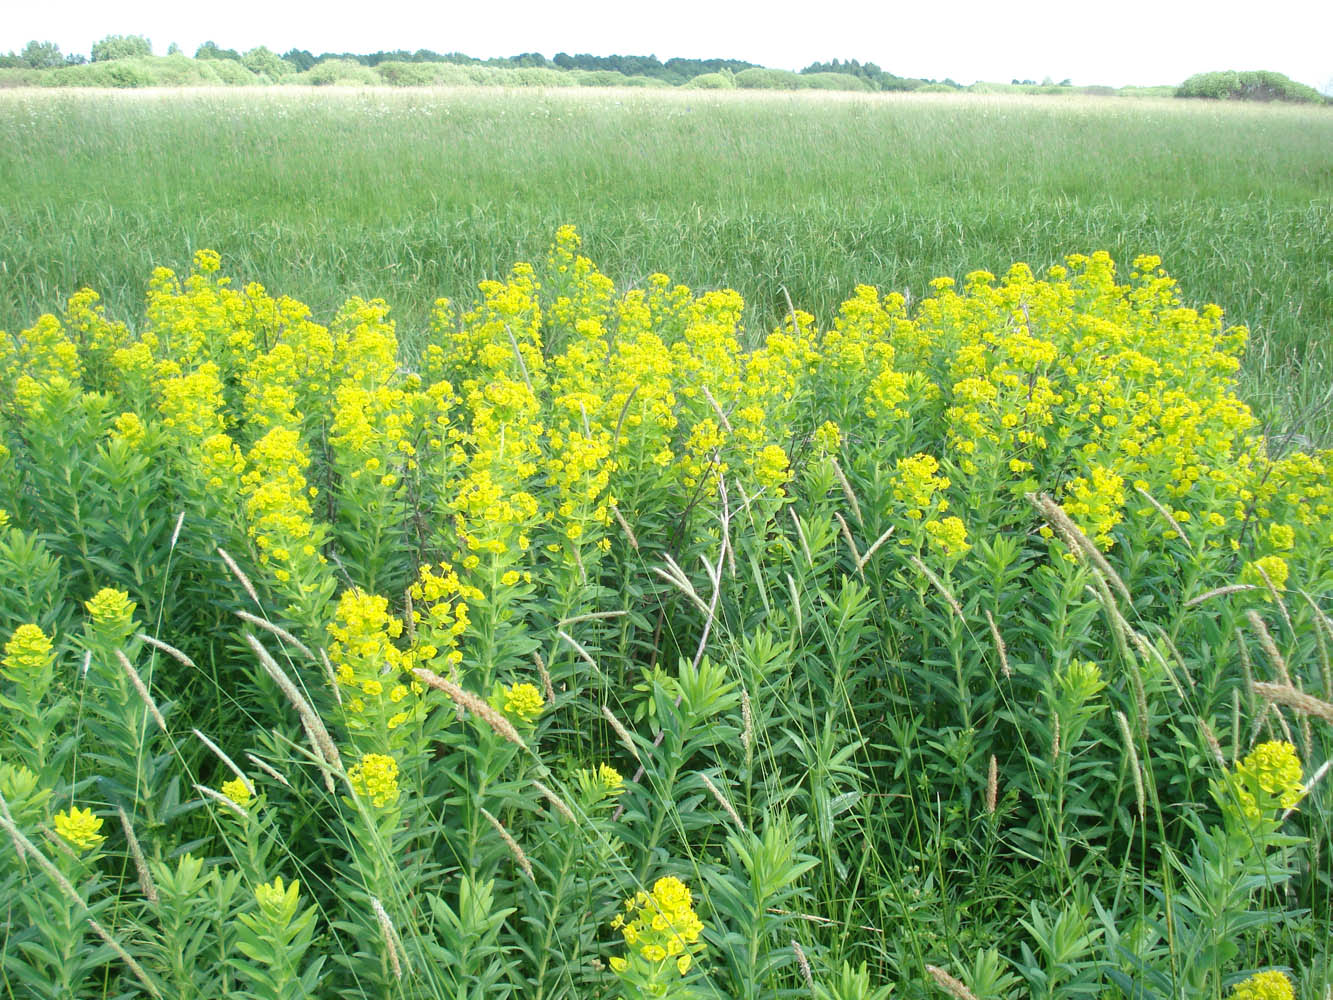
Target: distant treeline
[128, 61]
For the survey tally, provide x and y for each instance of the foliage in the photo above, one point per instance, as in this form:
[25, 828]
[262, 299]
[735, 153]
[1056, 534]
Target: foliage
[121, 47]
[593, 653]
[1257, 85]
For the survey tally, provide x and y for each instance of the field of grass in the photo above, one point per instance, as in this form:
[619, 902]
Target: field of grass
[595, 637]
[414, 195]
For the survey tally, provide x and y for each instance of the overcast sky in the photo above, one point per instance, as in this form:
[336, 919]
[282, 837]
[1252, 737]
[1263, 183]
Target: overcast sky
[967, 40]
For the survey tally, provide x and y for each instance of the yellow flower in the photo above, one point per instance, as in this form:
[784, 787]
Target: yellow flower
[1272, 567]
[683, 963]
[376, 778]
[1264, 986]
[112, 610]
[28, 650]
[611, 779]
[238, 791]
[619, 964]
[278, 902]
[523, 701]
[79, 828]
[1275, 768]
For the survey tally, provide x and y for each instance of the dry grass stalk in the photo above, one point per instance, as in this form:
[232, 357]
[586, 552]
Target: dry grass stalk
[847, 491]
[675, 576]
[851, 543]
[5, 814]
[1166, 514]
[267, 769]
[392, 944]
[167, 648]
[146, 885]
[796, 603]
[1322, 625]
[800, 537]
[1000, 646]
[1055, 738]
[1276, 597]
[1235, 588]
[1076, 540]
[176, 532]
[747, 726]
[22, 843]
[331, 675]
[409, 617]
[1282, 723]
[1286, 694]
[221, 800]
[547, 687]
[231, 764]
[325, 749]
[555, 800]
[1269, 647]
[141, 688]
[1247, 669]
[716, 409]
[240, 577]
[860, 563]
[803, 963]
[949, 984]
[624, 526]
[992, 786]
[584, 655]
[277, 630]
[1211, 738]
[620, 731]
[722, 801]
[591, 616]
[938, 584]
[811, 918]
[470, 702]
[512, 844]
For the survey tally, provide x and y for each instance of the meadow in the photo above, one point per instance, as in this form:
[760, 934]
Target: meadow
[412, 195]
[557, 546]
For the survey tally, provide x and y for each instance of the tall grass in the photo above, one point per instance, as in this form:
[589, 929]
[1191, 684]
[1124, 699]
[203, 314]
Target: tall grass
[416, 194]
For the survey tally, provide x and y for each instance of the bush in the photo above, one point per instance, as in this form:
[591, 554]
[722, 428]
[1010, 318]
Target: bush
[341, 72]
[121, 47]
[1258, 85]
[833, 81]
[768, 79]
[270, 64]
[712, 81]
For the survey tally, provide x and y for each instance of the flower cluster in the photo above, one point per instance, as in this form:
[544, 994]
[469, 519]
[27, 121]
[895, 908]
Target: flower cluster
[79, 828]
[375, 777]
[523, 702]
[28, 651]
[1268, 779]
[1264, 986]
[659, 927]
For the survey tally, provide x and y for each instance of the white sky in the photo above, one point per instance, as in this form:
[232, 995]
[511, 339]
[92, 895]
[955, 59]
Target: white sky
[968, 40]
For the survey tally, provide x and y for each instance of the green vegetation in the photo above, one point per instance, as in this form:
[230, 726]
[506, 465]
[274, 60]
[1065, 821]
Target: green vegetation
[1259, 85]
[607, 647]
[413, 195]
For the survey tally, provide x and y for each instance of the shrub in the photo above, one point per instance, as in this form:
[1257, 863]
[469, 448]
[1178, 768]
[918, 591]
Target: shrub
[833, 81]
[712, 81]
[342, 72]
[1258, 85]
[768, 79]
[121, 47]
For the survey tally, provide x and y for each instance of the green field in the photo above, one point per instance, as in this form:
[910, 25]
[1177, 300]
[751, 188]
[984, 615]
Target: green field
[594, 637]
[413, 195]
